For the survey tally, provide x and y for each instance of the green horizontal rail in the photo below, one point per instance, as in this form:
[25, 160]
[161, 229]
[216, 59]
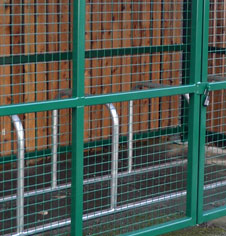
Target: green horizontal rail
[214, 213]
[60, 56]
[164, 227]
[95, 100]
[142, 94]
[93, 144]
[38, 106]
[217, 85]
[134, 50]
[35, 58]
[217, 50]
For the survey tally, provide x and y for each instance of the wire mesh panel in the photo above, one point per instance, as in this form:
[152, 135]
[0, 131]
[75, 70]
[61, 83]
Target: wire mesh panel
[138, 169]
[135, 171]
[215, 174]
[128, 42]
[35, 175]
[35, 50]
[217, 36]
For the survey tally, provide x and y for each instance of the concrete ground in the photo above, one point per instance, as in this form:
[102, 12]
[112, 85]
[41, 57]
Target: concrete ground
[213, 228]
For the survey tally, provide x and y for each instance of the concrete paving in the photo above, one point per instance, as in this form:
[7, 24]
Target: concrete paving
[213, 228]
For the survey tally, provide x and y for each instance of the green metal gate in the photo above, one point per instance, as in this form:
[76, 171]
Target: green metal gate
[117, 104]
[211, 202]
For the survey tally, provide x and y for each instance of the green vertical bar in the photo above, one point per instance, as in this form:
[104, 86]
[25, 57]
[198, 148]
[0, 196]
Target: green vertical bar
[203, 110]
[194, 108]
[78, 58]
[77, 171]
[78, 51]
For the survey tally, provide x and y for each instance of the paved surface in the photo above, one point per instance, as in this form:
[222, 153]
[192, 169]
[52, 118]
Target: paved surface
[213, 228]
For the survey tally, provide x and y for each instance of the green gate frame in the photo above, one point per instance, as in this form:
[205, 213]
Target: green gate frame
[204, 216]
[197, 112]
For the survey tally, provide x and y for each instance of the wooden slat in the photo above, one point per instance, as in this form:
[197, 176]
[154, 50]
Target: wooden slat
[64, 69]
[136, 60]
[5, 93]
[29, 69]
[106, 62]
[71, 13]
[117, 43]
[116, 64]
[166, 61]
[145, 62]
[219, 64]
[53, 68]
[17, 49]
[87, 117]
[96, 69]
[156, 59]
[126, 62]
[176, 59]
[41, 77]
[211, 70]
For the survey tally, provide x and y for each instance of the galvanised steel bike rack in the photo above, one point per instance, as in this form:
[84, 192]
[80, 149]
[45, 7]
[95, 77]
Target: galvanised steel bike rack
[113, 177]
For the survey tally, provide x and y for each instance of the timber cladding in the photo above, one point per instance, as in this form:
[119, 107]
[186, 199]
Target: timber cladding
[216, 64]
[127, 42]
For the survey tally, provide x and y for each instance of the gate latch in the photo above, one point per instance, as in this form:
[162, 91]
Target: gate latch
[207, 97]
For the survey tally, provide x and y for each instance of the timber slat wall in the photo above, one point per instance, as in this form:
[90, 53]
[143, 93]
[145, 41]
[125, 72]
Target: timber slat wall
[29, 71]
[216, 66]
[45, 27]
[30, 28]
[5, 79]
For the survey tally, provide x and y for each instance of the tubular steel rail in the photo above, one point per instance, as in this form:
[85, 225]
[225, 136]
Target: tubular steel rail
[114, 153]
[20, 173]
[54, 187]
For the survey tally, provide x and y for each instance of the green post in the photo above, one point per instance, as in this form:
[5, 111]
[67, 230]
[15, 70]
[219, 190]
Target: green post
[204, 74]
[194, 107]
[78, 117]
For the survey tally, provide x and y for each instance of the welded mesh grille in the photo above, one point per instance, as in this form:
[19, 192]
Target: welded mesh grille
[217, 38]
[215, 175]
[34, 37]
[28, 27]
[125, 73]
[215, 168]
[47, 172]
[134, 23]
[152, 191]
[127, 42]
[135, 41]
[38, 82]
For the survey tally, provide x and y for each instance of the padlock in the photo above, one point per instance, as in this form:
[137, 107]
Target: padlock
[207, 98]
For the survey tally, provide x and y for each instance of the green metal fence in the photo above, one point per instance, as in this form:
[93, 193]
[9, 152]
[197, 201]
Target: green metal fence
[112, 116]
